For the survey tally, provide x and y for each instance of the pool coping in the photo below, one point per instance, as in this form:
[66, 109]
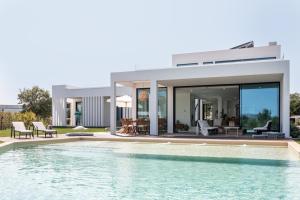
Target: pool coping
[10, 142]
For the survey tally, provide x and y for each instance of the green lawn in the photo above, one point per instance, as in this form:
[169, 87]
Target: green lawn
[6, 133]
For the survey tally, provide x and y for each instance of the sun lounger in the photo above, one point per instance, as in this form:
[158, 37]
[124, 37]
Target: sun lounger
[206, 129]
[40, 127]
[20, 128]
[265, 128]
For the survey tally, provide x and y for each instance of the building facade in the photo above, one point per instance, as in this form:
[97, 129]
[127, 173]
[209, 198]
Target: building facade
[243, 87]
[11, 108]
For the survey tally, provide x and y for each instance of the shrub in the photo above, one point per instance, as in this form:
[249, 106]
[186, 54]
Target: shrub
[295, 132]
[7, 118]
[46, 121]
[26, 117]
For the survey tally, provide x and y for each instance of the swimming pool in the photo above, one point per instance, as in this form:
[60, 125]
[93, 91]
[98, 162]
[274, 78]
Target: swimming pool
[128, 170]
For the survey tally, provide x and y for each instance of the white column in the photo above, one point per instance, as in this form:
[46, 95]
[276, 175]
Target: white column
[285, 104]
[113, 116]
[170, 110]
[72, 112]
[84, 109]
[59, 111]
[102, 111]
[58, 105]
[153, 108]
[133, 102]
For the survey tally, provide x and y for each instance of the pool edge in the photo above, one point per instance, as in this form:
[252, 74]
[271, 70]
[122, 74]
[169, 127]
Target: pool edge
[8, 142]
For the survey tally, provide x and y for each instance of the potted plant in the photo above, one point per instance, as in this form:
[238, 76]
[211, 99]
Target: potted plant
[179, 126]
[186, 127]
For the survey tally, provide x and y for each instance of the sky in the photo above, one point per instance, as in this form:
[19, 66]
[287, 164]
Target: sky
[80, 43]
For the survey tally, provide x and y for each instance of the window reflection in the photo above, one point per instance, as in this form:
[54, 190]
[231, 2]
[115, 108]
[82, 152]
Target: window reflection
[259, 103]
[143, 106]
[143, 103]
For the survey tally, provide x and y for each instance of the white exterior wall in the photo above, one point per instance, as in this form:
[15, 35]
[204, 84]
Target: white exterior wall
[91, 107]
[95, 109]
[228, 54]
[58, 106]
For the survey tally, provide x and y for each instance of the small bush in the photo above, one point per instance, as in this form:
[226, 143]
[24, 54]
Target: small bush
[295, 132]
[26, 117]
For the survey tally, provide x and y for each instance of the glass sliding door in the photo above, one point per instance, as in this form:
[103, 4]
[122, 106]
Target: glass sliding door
[220, 106]
[143, 106]
[259, 103]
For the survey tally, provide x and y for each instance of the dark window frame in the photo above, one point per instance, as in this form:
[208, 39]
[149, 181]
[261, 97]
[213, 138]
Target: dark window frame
[186, 64]
[244, 60]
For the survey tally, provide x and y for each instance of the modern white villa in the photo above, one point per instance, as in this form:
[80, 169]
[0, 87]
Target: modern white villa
[235, 90]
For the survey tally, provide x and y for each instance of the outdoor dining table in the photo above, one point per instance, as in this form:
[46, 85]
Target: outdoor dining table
[134, 126]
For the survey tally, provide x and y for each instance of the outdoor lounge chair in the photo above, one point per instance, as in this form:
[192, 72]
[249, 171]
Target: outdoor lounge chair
[40, 127]
[206, 129]
[20, 128]
[265, 128]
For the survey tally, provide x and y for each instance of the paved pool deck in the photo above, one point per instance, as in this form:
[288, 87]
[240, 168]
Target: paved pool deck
[7, 141]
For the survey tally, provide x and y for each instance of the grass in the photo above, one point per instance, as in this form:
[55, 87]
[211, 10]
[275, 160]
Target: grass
[6, 133]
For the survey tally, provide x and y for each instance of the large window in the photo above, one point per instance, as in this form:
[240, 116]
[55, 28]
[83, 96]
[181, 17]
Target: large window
[143, 103]
[259, 103]
[143, 106]
[162, 103]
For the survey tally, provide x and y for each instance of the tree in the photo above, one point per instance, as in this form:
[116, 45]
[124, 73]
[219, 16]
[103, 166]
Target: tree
[295, 104]
[36, 100]
[264, 115]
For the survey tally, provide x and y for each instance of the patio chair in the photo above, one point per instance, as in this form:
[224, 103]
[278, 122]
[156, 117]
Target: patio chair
[20, 128]
[206, 129]
[141, 126]
[127, 126]
[40, 127]
[265, 128]
[162, 125]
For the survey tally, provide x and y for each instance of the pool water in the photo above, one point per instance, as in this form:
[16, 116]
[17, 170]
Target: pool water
[116, 170]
